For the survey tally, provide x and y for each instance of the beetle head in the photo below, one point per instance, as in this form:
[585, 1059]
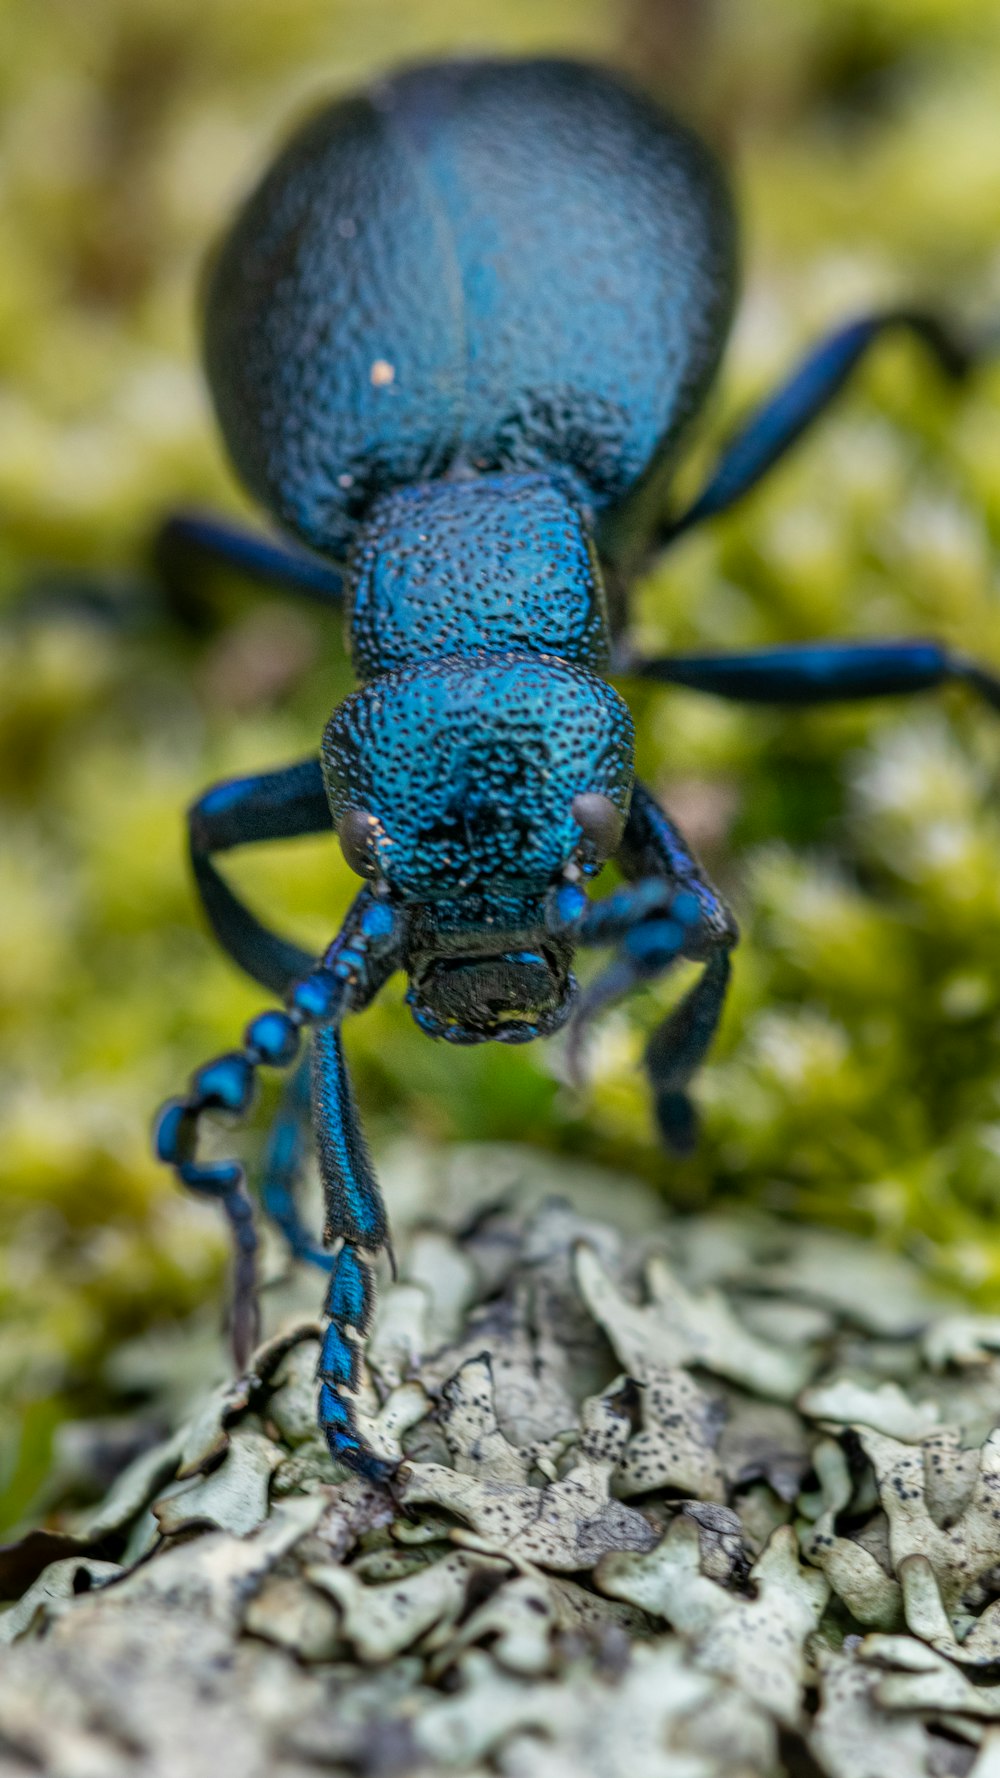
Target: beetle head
[478, 775]
[467, 785]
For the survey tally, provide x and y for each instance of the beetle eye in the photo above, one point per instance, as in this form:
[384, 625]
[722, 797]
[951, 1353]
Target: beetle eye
[357, 831]
[602, 822]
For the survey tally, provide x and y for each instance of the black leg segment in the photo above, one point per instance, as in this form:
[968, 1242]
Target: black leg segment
[188, 540]
[269, 806]
[772, 428]
[821, 672]
[668, 911]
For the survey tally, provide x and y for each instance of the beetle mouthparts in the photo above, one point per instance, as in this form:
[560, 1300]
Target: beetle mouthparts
[509, 997]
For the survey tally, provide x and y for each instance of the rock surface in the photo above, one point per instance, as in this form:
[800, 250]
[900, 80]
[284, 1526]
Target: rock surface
[677, 1497]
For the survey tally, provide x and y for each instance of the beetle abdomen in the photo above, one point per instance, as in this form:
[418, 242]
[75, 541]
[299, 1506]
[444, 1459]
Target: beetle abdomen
[517, 265]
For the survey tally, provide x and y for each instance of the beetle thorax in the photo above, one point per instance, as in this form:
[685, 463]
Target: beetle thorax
[490, 562]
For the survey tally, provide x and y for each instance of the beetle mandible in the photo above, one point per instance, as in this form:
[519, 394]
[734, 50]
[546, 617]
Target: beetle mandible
[455, 339]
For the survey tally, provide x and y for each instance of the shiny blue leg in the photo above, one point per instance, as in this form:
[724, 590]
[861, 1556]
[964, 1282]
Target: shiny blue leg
[355, 1216]
[268, 806]
[772, 428]
[821, 672]
[667, 911]
[283, 1161]
[351, 972]
[189, 539]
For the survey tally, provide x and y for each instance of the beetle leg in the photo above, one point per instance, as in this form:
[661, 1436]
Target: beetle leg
[822, 672]
[678, 1048]
[356, 1216]
[188, 540]
[772, 428]
[351, 972]
[284, 1157]
[269, 806]
[668, 911]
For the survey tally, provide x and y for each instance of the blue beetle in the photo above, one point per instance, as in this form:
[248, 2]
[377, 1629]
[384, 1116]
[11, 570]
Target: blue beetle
[455, 339]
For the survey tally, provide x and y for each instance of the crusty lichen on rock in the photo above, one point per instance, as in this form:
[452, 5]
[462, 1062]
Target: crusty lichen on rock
[641, 1526]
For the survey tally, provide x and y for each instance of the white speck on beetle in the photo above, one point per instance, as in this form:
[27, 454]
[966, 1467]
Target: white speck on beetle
[382, 373]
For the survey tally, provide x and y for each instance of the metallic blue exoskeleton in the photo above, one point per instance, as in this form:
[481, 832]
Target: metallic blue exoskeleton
[455, 339]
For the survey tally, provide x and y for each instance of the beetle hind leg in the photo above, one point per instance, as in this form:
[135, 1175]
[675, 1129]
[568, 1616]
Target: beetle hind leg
[779, 421]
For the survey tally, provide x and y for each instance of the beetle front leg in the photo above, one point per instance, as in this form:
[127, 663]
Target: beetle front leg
[356, 1215]
[284, 1158]
[349, 975]
[278, 805]
[669, 911]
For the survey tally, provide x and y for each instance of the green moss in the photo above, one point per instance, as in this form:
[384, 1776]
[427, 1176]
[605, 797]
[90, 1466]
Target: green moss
[857, 1077]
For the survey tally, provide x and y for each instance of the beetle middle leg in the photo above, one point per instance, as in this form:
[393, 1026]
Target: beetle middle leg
[779, 421]
[188, 542]
[808, 673]
[667, 911]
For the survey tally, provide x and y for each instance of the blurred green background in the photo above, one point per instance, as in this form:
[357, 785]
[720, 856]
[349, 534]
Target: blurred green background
[857, 1079]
